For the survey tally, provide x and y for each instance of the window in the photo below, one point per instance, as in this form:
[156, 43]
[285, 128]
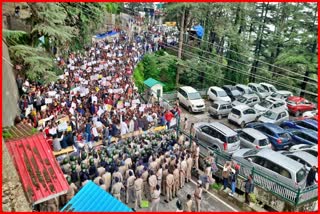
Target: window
[223, 107]
[306, 125]
[194, 96]
[265, 87]
[251, 152]
[281, 115]
[270, 114]
[261, 90]
[242, 99]
[301, 174]
[240, 89]
[264, 142]
[206, 130]
[221, 137]
[222, 94]
[233, 139]
[251, 111]
[236, 112]
[249, 101]
[229, 106]
[215, 106]
[214, 92]
[255, 99]
[269, 132]
[265, 104]
[258, 160]
[246, 137]
[312, 152]
[253, 88]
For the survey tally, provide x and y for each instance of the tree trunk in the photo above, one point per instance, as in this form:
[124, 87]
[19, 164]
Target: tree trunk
[257, 50]
[180, 45]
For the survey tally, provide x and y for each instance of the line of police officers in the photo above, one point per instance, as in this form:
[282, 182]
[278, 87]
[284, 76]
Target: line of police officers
[138, 168]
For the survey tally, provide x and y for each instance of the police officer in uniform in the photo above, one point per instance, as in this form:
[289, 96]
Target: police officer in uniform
[106, 177]
[72, 189]
[169, 186]
[183, 171]
[165, 172]
[152, 182]
[138, 186]
[176, 175]
[93, 172]
[198, 195]
[116, 189]
[144, 177]
[189, 167]
[130, 187]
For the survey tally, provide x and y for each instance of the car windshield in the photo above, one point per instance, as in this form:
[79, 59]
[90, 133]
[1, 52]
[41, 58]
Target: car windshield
[222, 94]
[263, 142]
[273, 89]
[291, 102]
[215, 106]
[251, 152]
[265, 104]
[275, 95]
[233, 139]
[284, 135]
[194, 96]
[235, 93]
[236, 112]
[270, 115]
[261, 90]
[301, 174]
[242, 99]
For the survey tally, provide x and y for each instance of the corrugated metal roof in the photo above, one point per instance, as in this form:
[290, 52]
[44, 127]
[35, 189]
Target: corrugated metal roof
[92, 198]
[151, 82]
[40, 174]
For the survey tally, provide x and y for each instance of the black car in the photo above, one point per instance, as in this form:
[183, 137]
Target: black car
[231, 91]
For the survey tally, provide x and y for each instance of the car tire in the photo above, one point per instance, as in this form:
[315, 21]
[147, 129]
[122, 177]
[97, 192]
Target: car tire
[190, 109]
[219, 117]
[297, 114]
[242, 124]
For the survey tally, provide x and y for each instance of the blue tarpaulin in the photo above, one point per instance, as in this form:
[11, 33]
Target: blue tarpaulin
[104, 35]
[92, 198]
[199, 30]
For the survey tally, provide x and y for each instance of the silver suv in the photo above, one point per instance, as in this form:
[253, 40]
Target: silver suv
[273, 164]
[251, 138]
[217, 136]
[220, 109]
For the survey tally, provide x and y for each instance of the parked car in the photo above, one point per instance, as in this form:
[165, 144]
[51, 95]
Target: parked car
[279, 138]
[231, 91]
[244, 89]
[283, 95]
[251, 138]
[220, 109]
[217, 136]
[275, 116]
[310, 114]
[217, 94]
[256, 88]
[300, 124]
[247, 99]
[268, 87]
[273, 164]
[271, 103]
[302, 157]
[242, 114]
[311, 149]
[191, 99]
[297, 105]
[304, 136]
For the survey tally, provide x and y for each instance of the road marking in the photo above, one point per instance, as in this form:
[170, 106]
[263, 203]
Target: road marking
[229, 206]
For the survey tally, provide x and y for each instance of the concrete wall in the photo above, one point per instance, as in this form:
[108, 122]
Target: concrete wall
[9, 90]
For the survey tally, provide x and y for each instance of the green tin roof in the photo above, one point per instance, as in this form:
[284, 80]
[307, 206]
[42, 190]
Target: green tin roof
[151, 82]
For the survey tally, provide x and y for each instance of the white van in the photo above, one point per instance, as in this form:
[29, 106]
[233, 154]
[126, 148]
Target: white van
[191, 99]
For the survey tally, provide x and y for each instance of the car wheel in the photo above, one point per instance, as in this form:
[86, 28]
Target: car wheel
[219, 116]
[297, 114]
[190, 109]
[242, 124]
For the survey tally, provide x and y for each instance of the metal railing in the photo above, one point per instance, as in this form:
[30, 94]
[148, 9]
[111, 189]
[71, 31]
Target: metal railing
[289, 194]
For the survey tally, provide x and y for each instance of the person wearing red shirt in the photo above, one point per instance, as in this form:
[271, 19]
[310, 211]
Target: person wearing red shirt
[168, 116]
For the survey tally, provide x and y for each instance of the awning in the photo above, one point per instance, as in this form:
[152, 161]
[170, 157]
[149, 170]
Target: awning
[40, 174]
[92, 198]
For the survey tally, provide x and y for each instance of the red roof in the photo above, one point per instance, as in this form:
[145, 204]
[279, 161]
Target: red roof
[40, 174]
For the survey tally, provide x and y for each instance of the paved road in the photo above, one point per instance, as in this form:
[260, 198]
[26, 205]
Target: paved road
[210, 202]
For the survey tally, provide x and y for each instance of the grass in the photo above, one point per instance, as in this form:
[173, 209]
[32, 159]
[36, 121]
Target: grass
[216, 186]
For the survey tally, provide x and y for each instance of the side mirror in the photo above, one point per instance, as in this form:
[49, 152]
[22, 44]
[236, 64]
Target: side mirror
[250, 160]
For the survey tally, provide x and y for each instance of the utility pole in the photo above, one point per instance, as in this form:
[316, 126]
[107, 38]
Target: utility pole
[180, 44]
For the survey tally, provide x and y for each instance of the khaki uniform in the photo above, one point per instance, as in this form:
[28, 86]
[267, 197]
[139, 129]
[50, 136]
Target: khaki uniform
[101, 171]
[153, 166]
[128, 163]
[188, 206]
[209, 174]
[159, 177]
[118, 175]
[169, 186]
[107, 180]
[122, 170]
[196, 158]
[130, 188]
[139, 169]
[126, 176]
[116, 190]
[189, 168]
[103, 186]
[197, 196]
[176, 176]
[144, 177]
[152, 183]
[96, 180]
[183, 172]
[78, 168]
[96, 162]
[155, 200]
[53, 205]
[138, 186]
[164, 183]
